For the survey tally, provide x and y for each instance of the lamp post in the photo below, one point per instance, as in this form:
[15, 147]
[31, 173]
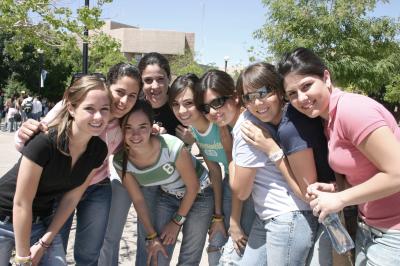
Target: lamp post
[85, 48]
[40, 52]
[226, 59]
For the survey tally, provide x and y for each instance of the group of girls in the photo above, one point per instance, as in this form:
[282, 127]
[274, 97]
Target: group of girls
[274, 186]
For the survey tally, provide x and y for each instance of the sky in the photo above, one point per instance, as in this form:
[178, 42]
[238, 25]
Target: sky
[222, 27]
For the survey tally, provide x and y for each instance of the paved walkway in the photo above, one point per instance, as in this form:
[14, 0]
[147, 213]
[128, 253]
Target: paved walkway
[9, 156]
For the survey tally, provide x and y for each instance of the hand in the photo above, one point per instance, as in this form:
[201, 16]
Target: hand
[169, 233]
[326, 187]
[239, 238]
[158, 129]
[258, 137]
[29, 128]
[325, 203]
[37, 252]
[184, 134]
[153, 247]
[215, 228]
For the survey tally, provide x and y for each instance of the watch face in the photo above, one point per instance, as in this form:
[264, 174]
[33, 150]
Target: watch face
[179, 219]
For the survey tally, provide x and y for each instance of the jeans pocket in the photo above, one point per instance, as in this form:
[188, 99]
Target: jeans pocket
[284, 219]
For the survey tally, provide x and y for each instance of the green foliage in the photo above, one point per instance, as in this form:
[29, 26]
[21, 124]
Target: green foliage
[45, 23]
[183, 64]
[104, 52]
[14, 86]
[361, 51]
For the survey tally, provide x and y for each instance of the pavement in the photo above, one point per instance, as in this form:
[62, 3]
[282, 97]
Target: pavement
[128, 242]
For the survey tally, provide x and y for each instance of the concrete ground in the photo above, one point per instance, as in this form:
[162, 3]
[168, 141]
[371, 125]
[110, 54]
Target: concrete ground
[128, 242]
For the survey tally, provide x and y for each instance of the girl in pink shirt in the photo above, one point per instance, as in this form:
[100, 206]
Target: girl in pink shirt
[363, 142]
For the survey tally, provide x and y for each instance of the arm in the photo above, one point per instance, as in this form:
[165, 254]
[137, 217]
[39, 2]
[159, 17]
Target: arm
[65, 208]
[184, 134]
[227, 141]
[185, 167]
[30, 127]
[215, 174]
[262, 140]
[383, 150]
[27, 184]
[142, 211]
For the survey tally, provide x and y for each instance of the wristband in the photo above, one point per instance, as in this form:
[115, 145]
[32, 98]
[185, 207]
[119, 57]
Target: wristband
[276, 156]
[23, 261]
[151, 236]
[217, 218]
[179, 219]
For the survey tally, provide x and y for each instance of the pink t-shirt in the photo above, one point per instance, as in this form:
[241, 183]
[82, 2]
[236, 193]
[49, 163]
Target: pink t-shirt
[352, 117]
[112, 136]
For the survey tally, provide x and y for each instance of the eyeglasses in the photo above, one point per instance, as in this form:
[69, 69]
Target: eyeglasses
[79, 75]
[258, 94]
[215, 104]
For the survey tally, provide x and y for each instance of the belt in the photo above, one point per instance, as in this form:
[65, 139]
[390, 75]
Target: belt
[8, 218]
[368, 228]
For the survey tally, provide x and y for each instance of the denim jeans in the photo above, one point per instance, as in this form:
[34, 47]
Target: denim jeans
[91, 223]
[120, 204]
[227, 254]
[54, 255]
[151, 195]
[194, 230]
[282, 240]
[321, 253]
[377, 247]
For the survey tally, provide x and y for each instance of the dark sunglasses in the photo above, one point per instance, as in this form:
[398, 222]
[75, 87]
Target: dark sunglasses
[79, 75]
[215, 104]
[258, 94]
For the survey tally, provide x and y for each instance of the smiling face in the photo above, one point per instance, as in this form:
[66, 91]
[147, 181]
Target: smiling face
[125, 92]
[184, 108]
[155, 85]
[92, 114]
[309, 94]
[266, 106]
[226, 114]
[137, 129]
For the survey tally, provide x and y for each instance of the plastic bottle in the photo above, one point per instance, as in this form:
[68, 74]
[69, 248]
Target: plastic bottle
[341, 240]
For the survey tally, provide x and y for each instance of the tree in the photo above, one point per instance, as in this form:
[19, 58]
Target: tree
[362, 51]
[45, 23]
[182, 64]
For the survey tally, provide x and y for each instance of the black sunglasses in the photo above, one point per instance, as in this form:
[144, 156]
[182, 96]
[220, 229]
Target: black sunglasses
[215, 104]
[258, 94]
[77, 76]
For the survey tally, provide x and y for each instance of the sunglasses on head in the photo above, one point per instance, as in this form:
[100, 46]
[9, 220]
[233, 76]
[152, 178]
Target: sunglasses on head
[258, 94]
[215, 104]
[79, 75]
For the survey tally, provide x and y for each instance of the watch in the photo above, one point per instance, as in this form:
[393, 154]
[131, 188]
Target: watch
[276, 156]
[179, 219]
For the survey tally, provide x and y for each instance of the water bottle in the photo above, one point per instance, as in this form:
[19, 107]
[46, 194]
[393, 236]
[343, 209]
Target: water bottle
[341, 240]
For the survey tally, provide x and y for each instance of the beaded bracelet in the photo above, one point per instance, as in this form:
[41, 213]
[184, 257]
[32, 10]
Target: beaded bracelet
[43, 244]
[23, 261]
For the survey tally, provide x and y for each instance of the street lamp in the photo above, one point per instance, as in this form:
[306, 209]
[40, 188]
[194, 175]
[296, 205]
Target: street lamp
[40, 52]
[226, 59]
[85, 49]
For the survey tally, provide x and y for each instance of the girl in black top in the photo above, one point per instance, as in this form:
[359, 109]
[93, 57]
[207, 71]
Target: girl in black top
[54, 165]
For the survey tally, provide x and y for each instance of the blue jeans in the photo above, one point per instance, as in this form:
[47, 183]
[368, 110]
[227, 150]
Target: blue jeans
[282, 240]
[222, 248]
[120, 204]
[91, 223]
[321, 253]
[151, 195]
[194, 230]
[376, 247]
[54, 255]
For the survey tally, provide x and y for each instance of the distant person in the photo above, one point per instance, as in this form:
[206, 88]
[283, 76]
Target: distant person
[363, 144]
[57, 164]
[26, 108]
[36, 108]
